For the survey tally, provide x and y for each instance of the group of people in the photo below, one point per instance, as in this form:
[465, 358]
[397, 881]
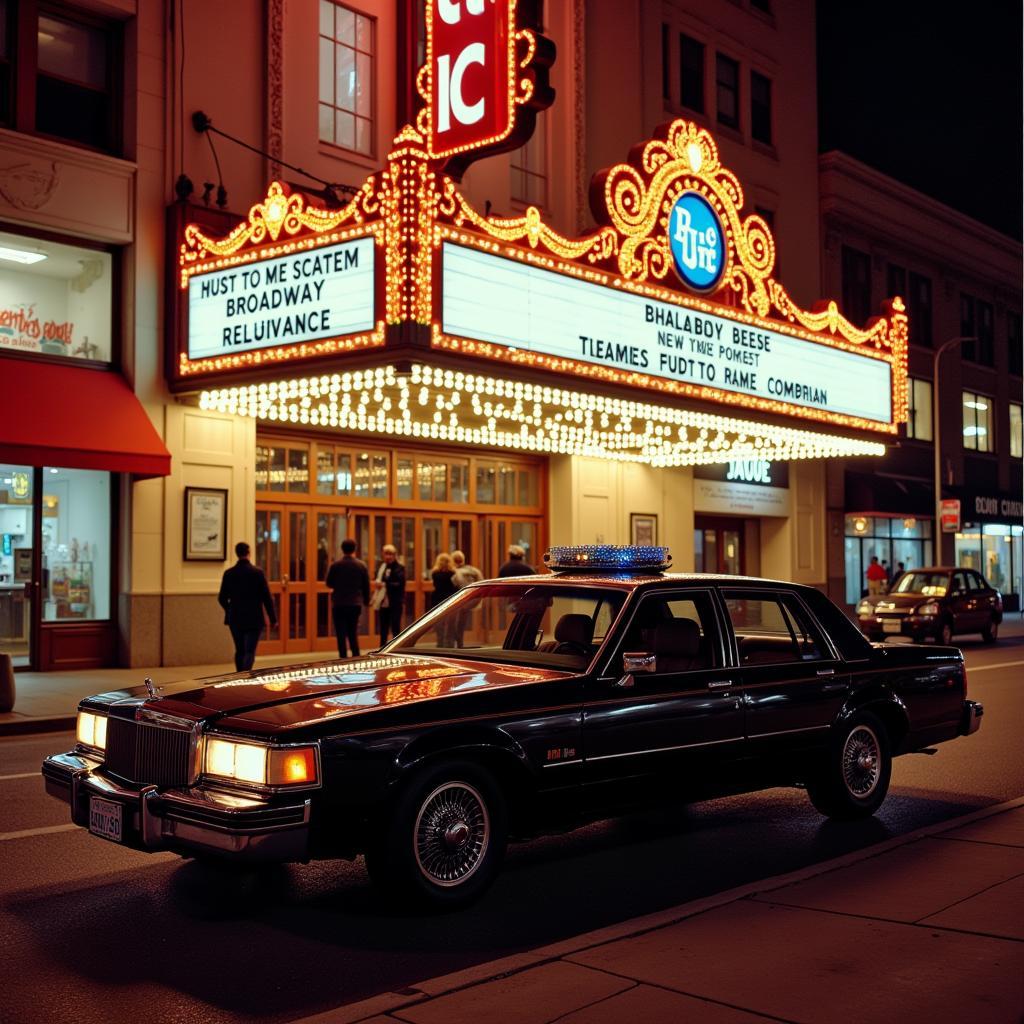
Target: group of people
[880, 580]
[245, 596]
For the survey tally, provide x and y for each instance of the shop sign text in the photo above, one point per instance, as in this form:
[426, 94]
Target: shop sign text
[695, 237]
[22, 329]
[306, 296]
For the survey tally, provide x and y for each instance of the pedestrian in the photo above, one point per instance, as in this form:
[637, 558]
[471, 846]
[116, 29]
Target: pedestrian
[349, 582]
[516, 564]
[389, 593]
[244, 595]
[443, 576]
[876, 578]
[900, 571]
[464, 575]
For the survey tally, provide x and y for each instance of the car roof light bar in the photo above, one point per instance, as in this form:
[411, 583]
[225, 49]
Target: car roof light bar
[613, 558]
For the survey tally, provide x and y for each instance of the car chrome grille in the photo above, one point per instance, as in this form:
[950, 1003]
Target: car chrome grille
[152, 755]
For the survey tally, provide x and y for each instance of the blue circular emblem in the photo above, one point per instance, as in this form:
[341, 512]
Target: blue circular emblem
[695, 235]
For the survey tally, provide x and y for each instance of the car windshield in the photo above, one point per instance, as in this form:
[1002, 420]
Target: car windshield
[545, 625]
[931, 584]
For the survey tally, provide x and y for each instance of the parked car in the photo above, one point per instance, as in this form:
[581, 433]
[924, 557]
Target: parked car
[517, 707]
[940, 602]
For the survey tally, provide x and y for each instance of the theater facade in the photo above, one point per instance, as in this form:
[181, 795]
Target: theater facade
[401, 367]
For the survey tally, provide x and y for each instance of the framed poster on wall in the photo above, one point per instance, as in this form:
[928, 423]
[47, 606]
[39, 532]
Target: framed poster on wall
[643, 528]
[206, 524]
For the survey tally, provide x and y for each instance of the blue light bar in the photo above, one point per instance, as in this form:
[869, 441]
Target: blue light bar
[607, 558]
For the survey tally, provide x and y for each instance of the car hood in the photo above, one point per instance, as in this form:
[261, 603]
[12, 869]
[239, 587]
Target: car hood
[900, 602]
[276, 698]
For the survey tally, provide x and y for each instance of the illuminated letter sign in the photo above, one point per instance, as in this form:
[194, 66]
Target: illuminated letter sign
[695, 235]
[473, 65]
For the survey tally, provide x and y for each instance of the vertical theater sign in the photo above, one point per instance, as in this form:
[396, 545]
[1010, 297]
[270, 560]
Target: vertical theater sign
[661, 337]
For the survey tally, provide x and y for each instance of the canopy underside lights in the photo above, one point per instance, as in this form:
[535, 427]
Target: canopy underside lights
[433, 403]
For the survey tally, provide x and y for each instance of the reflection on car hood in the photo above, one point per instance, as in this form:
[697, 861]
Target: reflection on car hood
[294, 695]
[900, 602]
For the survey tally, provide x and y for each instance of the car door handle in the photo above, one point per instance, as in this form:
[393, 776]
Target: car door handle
[720, 684]
[826, 671]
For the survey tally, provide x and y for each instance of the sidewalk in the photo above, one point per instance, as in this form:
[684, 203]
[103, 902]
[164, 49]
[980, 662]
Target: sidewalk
[46, 701]
[925, 927]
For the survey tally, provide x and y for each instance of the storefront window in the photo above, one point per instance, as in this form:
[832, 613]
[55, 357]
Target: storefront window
[76, 544]
[16, 505]
[55, 299]
[892, 539]
[996, 551]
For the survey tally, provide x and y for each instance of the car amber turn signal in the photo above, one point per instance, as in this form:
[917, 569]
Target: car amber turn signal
[92, 730]
[292, 767]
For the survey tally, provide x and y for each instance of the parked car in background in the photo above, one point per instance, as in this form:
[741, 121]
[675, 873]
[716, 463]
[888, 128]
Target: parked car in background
[517, 707]
[939, 602]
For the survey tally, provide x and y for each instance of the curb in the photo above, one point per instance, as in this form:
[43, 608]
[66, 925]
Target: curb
[516, 963]
[27, 726]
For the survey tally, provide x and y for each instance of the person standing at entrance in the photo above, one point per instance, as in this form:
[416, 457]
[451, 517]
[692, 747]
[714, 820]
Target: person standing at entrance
[244, 595]
[349, 582]
[876, 578]
[516, 564]
[389, 594]
[464, 575]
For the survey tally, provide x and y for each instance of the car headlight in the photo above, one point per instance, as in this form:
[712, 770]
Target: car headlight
[864, 608]
[92, 730]
[259, 765]
[928, 608]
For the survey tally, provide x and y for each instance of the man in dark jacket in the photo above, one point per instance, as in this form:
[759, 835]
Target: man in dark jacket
[244, 595]
[516, 564]
[389, 593]
[349, 583]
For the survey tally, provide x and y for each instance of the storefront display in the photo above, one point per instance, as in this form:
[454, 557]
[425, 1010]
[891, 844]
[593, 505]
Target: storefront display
[891, 539]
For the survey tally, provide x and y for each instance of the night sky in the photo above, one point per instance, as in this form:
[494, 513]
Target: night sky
[928, 93]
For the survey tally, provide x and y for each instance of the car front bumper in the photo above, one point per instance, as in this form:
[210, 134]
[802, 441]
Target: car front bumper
[189, 821]
[879, 627]
[970, 720]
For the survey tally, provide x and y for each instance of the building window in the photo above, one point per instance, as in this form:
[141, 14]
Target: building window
[919, 400]
[1016, 437]
[856, 285]
[68, 84]
[530, 168]
[691, 73]
[346, 77]
[977, 422]
[1014, 343]
[55, 299]
[976, 321]
[666, 88]
[889, 538]
[760, 108]
[727, 88]
[895, 281]
[919, 309]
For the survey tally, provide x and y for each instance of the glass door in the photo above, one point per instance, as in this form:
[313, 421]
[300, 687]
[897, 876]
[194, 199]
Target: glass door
[18, 576]
[268, 555]
[718, 545]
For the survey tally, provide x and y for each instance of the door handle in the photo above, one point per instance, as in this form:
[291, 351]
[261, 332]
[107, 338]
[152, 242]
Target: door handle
[720, 684]
[826, 671]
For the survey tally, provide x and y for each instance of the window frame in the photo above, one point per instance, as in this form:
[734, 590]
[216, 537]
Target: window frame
[768, 112]
[700, 73]
[1014, 343]
[850, 255]
[723, 59]
[829, 650]
[989, 425]
[526, 153]
[913, 431]
[1016, 430]
[921, 314]
[372, 119]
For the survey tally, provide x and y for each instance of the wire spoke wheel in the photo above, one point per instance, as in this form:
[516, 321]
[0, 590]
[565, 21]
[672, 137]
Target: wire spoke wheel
[861, 762]
[451, 834]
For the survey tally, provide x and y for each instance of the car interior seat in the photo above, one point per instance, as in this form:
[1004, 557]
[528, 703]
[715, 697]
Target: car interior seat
[574, 634]
[678, 646]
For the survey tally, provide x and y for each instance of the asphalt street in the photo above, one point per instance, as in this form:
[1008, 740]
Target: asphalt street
[93, 932]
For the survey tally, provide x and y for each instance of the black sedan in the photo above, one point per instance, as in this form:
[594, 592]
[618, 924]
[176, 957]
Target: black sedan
[938, 603]
[517, 707]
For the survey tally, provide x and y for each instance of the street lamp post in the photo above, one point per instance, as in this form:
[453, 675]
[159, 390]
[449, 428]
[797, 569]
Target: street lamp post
[937, 440]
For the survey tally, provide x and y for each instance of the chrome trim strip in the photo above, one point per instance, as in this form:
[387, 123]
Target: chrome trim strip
[786, 732]
[558, 764]
[662, 750]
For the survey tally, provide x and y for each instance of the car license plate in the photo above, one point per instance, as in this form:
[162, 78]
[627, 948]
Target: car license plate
[891, 626]
[105, 818]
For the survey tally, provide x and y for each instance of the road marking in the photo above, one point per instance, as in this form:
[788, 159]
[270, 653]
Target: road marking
[26, 833]
[984, 668]
[22, 775]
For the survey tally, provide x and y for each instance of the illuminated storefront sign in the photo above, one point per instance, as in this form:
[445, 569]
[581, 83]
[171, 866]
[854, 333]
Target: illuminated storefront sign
[505, 302]
[321, 293]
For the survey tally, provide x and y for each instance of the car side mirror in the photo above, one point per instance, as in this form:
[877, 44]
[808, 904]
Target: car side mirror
[639, 661]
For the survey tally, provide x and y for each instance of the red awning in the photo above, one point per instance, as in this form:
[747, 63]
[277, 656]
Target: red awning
[75, 418]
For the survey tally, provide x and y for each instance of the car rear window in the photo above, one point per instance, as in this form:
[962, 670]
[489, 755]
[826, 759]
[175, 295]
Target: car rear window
[849, 640]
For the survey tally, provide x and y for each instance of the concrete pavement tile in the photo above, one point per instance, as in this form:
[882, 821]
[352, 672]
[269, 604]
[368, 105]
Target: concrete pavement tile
[997, 911]
[479, 972]
[907, 883]
[530, 997]
[1006, 828]
[366, 1011]
[658, 1006]
[805, 965]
